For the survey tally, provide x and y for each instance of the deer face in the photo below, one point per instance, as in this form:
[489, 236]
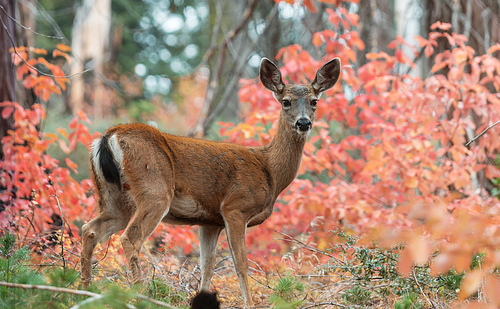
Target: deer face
[298, 102]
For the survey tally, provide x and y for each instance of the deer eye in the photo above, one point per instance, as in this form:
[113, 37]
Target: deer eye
[286, 103]
[314, 103]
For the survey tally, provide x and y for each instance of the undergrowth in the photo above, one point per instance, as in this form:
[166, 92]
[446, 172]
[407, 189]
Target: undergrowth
[375, 276]
[15, 267]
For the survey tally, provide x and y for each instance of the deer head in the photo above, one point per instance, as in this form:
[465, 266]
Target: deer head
[299, 101]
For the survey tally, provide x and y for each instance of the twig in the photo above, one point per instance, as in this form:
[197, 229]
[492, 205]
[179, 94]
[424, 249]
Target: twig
[213, 82]
[30, 66]
[223, 102]
[154, 301]
[77, 292]
[231, 34]
[375, 287]
[482, 133]
[47, 288]
[29, 28]
[62, 227]
[87, 301]
[290, 238]
[422, 291]
[324, 304]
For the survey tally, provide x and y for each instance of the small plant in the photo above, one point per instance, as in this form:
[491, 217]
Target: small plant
[162, 292]
[285, 295]
[410, 301]
[356, 295]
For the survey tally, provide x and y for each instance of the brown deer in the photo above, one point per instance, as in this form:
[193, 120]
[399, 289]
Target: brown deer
[144, 177]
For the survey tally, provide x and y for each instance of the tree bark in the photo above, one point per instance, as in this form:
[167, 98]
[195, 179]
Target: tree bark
[7, 80]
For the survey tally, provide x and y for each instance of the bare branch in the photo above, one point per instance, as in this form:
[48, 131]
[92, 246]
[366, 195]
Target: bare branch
[231, 34]
[422, 291]
[76, 292]
[29, 28]
[482, 133]
[327, 303]
[30, 66]
[216, 73]
[87, 301]
[47, 288]
[229, 87]
[62, 227]
[290, 238]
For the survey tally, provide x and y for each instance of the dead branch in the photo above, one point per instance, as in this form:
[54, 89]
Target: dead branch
[76, 292]
[482, 133]
[24, 60]
[62, 227]
[30, 66]
[29, 28]
[230, 86]
[422, 291]
[230, 36]
[216, 73]
[290, 238]
[326, 303]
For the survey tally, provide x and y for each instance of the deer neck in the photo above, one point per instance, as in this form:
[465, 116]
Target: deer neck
[284, 154]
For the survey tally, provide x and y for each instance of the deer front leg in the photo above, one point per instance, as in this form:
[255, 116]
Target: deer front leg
[208, 246]
[236, 228]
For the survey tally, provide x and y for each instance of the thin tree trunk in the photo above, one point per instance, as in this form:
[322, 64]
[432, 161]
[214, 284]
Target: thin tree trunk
[7, 77]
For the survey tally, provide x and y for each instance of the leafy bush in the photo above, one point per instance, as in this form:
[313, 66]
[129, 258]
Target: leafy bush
[375, 269]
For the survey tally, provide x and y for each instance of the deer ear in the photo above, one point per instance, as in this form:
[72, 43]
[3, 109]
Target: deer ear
[327, 76]
[270, 76]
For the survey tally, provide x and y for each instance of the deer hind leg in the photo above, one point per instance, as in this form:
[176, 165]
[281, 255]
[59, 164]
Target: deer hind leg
[236, 229]
[151, 208]
[208, 246]
[99, 229]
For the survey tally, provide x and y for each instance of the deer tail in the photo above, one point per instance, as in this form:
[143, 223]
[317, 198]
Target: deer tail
[106, 159]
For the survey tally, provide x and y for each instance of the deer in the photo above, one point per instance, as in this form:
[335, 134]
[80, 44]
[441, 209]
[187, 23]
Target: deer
[143, 177]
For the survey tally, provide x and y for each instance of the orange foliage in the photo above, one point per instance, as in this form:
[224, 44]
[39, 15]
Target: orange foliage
[389, 163]
[405, 175]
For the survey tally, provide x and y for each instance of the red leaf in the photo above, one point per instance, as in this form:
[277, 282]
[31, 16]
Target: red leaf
[57, 53]
[470, 283]
[63, 47]
[73, 123]
[72, 165]
[310, 5]
[317, 39]
[494, 48]
[429, 50]
[492, 289]
[63, 146]
[7, 111]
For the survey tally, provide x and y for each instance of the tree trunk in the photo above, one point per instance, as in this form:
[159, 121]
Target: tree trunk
[7, 80]
[25, 97]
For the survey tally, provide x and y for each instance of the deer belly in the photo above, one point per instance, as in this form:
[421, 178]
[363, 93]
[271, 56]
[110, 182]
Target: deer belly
[187, 211]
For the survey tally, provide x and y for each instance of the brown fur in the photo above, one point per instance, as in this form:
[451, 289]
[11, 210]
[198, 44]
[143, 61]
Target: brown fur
[180, 180]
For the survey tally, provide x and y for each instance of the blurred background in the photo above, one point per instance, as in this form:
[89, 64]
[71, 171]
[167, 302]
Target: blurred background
[176, 64]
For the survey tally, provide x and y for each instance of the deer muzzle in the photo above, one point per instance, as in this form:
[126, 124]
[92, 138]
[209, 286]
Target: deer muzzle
[303, 124]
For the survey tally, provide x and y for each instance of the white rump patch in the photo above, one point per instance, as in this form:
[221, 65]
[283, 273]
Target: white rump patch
[116, 150]
[95, 157]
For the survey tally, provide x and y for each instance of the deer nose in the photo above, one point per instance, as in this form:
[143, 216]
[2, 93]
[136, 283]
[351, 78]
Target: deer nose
[303, 124]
